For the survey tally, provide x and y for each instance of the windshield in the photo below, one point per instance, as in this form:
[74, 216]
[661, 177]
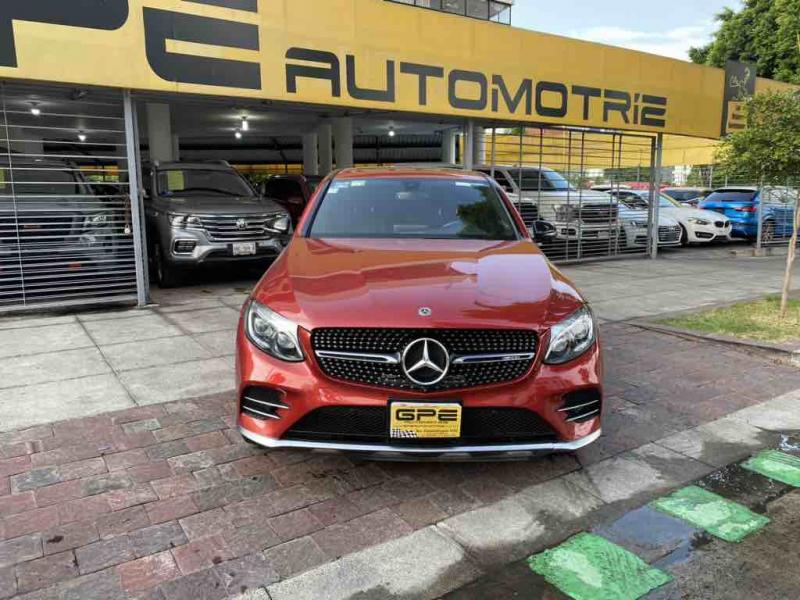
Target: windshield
[734, 196]
[201, 182]
[39, 181]
[534, 180]
[684, 195]
[667, 202]
[411, 207]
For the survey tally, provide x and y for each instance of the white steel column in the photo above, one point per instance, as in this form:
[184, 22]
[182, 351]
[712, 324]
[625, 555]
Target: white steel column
[310, 154]
[449, 146]
[655, 194]
[159, 132]
[479, 146]
[325, 140]
[343, 140]
[135, 193]
[469, 145]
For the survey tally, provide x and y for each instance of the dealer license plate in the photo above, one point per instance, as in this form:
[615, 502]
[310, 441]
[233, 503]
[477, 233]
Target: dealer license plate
[244, 249]
[425, 420]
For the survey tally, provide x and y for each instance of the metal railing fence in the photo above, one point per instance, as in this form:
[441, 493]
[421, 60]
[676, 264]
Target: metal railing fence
[65, 211]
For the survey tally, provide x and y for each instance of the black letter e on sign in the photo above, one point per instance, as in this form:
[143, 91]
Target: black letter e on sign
[93, 14]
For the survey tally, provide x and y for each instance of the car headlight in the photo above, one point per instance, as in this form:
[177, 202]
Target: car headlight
[571, 337]
[184, 221]
[697, 221]
[274, 334]
[279, 222]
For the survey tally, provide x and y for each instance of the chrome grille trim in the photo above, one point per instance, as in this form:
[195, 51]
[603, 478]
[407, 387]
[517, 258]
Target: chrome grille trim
[224, 228]
[265, 403]
[475, 359]
[386, 359]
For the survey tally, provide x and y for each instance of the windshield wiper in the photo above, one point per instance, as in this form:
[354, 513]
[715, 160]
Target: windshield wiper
[206, 189]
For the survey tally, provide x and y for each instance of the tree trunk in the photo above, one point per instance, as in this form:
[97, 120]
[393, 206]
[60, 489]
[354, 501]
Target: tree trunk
[790, 257]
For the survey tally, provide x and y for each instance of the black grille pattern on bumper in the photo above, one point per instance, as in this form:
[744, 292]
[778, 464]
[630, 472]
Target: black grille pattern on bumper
[581, 406]
[459, 342]
[670, 233]
[370, 425]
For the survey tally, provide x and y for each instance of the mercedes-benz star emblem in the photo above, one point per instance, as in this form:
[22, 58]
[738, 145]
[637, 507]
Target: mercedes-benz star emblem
[424, 311]
[426, 361]
[241, 224]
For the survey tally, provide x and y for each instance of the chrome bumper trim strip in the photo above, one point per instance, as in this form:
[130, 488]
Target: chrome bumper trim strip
[410, 450]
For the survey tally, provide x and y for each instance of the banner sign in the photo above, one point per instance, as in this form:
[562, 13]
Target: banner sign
[740, 84]
[369, 54]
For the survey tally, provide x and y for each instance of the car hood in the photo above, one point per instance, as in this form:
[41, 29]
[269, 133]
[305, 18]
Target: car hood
[384, 283]
[575, 197]
[685, 213]
[222, 205]
[633, 214]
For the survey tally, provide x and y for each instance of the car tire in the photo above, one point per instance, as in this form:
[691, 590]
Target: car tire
[768, 232]
[684, 236]
[166, 274]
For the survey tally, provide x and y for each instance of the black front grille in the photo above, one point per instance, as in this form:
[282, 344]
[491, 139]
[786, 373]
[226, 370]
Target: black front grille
[370, 425]
[669, 233]
[721, 224]
[529, 213]
[591, 213]
[459, 342]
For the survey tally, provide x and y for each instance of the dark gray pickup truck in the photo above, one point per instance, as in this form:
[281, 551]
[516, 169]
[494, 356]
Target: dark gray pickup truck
[201, 213]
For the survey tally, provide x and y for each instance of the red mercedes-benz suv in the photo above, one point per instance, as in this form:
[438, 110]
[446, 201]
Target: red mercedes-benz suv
[412, 315]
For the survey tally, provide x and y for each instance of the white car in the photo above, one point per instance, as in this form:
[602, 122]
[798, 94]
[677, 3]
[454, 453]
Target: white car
[544, 194]
[697, 225]
[634, 221]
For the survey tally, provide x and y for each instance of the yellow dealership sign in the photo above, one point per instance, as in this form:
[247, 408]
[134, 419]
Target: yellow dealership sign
[356, 53]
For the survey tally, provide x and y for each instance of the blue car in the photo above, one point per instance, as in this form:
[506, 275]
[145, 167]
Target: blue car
[741, 206]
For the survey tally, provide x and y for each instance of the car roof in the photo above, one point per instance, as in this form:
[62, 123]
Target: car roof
[685, 189]
[432, 173]
[737, 188]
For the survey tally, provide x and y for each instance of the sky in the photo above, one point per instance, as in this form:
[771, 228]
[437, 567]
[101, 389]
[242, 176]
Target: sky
[669, 28]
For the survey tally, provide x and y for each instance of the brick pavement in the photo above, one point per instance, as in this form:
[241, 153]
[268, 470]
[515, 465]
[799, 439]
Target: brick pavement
[167, 502]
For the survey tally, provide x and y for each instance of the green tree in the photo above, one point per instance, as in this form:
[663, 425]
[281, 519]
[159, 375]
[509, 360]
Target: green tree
[768, 150]
[763, 32]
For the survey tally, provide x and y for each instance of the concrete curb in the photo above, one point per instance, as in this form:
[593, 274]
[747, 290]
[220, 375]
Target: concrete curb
[454, 552]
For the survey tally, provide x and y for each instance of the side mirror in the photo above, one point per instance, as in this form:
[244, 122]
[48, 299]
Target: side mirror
[542, 231]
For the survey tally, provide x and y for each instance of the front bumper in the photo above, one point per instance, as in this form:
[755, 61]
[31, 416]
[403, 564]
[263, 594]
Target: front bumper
[304, 388]
[207, 250]
[389, 452]
[586, 232]
[707, 233]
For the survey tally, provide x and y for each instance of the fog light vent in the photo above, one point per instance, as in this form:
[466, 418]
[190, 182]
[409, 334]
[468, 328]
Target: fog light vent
[581, 406]
[262, 403]
[185, 246]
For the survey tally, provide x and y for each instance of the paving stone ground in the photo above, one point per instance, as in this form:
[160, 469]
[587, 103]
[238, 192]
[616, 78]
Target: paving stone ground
[166, 501]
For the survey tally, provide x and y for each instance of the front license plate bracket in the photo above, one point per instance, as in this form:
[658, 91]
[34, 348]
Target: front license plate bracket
[409, 420]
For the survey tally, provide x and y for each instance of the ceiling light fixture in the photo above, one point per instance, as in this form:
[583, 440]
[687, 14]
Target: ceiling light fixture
[35, 110]
[238, 134]
[391, 132]
[82, 136]
[245, 124]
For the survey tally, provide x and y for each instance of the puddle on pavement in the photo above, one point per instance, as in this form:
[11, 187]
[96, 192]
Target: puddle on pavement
[656, 537]
[745, 487]
[790, 444]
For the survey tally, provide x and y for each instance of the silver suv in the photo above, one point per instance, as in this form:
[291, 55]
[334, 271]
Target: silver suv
[206, 213]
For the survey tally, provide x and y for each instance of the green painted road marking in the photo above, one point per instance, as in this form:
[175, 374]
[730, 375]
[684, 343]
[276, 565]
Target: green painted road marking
[776, 465]
[588, 567]
[727, 520]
